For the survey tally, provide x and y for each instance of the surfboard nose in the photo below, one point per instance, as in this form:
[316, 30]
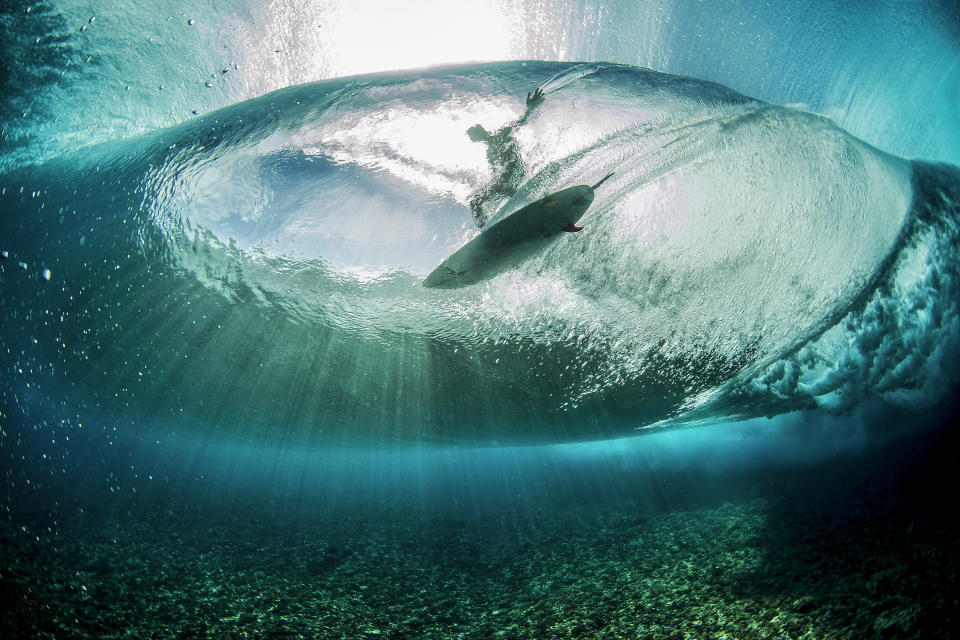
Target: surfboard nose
[603, 179]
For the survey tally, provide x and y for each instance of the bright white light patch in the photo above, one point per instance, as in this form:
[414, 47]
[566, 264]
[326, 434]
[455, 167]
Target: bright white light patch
[372, 35]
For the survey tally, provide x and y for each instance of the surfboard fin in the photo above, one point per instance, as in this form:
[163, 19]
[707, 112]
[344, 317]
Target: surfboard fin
[454, 273]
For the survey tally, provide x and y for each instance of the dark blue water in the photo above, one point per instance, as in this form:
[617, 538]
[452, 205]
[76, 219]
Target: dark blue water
[229, 408]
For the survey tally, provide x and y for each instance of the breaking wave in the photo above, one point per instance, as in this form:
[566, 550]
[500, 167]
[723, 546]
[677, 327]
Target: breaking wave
[260, 267]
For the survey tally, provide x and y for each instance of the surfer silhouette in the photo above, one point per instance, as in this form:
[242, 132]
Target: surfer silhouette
[504, 157]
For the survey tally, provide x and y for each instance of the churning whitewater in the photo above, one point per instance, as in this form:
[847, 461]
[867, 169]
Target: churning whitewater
[264, 264]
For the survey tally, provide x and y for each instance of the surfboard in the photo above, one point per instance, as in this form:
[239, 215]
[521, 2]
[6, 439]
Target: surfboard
[514, 237]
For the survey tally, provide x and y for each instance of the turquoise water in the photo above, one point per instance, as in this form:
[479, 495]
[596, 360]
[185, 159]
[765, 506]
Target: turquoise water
[218, 354]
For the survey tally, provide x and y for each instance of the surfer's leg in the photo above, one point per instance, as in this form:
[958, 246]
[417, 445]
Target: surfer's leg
[476, 206]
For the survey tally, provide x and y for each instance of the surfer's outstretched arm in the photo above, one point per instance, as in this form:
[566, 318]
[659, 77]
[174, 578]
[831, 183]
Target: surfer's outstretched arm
[534, 99]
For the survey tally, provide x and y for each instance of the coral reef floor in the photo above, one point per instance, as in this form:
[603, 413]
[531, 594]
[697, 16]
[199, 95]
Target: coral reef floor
[858, 547]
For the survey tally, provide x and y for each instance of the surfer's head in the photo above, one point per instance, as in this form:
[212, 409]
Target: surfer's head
[478, 134]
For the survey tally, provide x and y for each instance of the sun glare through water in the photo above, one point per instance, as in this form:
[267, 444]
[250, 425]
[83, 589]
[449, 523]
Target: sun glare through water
[414, 34]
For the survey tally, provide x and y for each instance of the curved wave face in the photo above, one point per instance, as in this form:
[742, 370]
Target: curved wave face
[260, 267]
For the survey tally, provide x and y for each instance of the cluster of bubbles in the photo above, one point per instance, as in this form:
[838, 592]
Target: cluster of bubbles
[45, 273]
